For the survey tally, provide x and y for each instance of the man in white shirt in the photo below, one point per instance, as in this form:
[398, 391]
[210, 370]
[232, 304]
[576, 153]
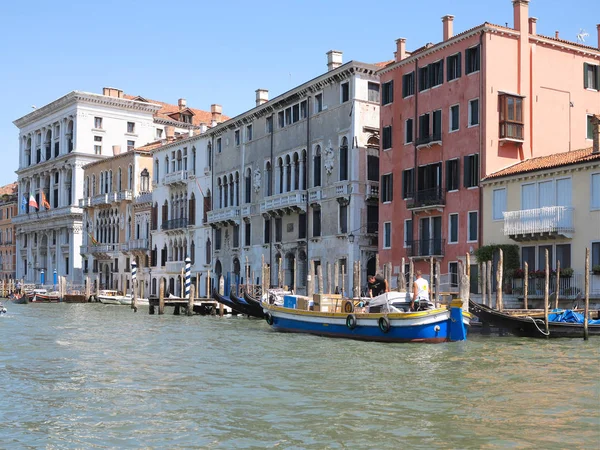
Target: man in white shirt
[420, 291]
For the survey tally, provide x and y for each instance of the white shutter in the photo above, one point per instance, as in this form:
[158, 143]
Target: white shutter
[528, 196]
[563, 192]
[546, 194]
[498, 204]
[595, 194]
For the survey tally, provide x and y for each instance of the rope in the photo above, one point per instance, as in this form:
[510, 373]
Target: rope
[536, 325]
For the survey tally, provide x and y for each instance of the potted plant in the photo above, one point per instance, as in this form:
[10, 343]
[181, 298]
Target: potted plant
[567, 272]
[596, 269]
[518, 273]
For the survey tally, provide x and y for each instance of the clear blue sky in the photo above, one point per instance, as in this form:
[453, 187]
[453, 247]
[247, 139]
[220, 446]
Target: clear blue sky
[219, 52]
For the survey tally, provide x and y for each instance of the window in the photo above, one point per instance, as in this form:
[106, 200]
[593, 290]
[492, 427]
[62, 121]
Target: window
[159, 133]
[472, 226]
[304, 109]
[423, 78]
[281, 119]
[97, 138]
[373, 89]
[343, 212]
[473, 112]
[345, 91]
[452, 174]
[386, 140]
[453, 64]
[236, 137]
[130, 145]
[267, 231]
[511, 117]
[498, 203]
[542, 257]
[317, 167]
[387, 93]
[387, 234]
[247, 234]
[437, 125]
[236, 236]
[295, 113]
[591, 76]
[595, 191]
[589, 127]
[408, 131]
[453, 271]
[278, 229]
[98, 123]
[563, 254]
[302, 226]
[408, 233]
[471, 178]
[528, 256]
[218, 239]
[344, 160]
[595, 254]
[436, 73]
[408, 85]
[454, 118]
[269, 126]
[316, 222]
[249, 133]
[408, 183]
[423, 127]
[387, 188]
[219, 147]
[318, 103]
[97, 149]
[472, 56]
[130, 127]
[453, 228]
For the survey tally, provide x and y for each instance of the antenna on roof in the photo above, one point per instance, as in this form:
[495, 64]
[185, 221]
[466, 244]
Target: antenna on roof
[582, 35]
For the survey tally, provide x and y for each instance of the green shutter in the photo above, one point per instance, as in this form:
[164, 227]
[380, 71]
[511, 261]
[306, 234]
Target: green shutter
[585, 78]
[459, 64]
[467, 173]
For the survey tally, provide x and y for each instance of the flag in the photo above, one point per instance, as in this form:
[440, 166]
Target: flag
[45, 202]
[23, 203]
[33, 202]
[94, 241]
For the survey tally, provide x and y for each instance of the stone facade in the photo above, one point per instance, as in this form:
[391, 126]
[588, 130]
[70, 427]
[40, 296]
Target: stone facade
[8, 209]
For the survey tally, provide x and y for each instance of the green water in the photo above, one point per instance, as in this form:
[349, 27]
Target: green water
[100, 376]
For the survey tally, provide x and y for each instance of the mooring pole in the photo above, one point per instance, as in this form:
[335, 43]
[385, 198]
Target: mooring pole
[546, 292]
[134, 286]
[586, 311]
[526, 286]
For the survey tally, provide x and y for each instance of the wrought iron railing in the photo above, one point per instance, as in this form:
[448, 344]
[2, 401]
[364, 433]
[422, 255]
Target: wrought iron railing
[175, 224]
[426, 247]
[427, 197]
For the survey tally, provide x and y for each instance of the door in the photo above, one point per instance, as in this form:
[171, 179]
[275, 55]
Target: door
[437, 235]
[546, 194]
[424, 237]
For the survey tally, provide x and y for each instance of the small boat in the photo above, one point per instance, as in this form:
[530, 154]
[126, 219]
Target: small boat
[43, 296]
[75, 297]
[253, 309]
[19, 299]
[235, 308]
[127, 299]
[533, 325]
[380, 321]
[108, 297]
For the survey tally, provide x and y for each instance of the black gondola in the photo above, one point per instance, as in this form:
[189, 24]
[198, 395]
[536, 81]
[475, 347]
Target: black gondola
[252, 301]
[528, 326]
[235, 307]
[254, 311]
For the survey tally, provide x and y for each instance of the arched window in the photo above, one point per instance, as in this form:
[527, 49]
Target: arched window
[225, 192]
[87, 186]
[209, 156]
[237, 189]
[120, 180]
[192, 252]
[248, 186]
[145, 181]
[207, 206]
[192, 210]
[288, 174]
[93, 185]
[317, 167]
[208, 251]
[166, 165]
[281, 178]
[268, 179]
[179, 163]
[130, 177]
[156, 171]
[344, 160]
[231, 191]
[296, 172]
[185, 166]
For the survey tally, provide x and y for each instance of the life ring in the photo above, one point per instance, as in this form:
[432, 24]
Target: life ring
[269, 318]
[348, 307]
[351, 321]
[384, 324]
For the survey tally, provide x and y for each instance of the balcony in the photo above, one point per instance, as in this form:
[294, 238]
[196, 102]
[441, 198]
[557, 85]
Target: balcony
[126, 195]
[104, 199]
[179, 177]
[145, 197]
[141, 245]
[432, 198]
[175, 224]
[280, 204]
[100, 251]
[62, 211]
[85, 202]
[223, 215]
[372, 192]
[550, 222]
[315, 195]
[429, 140]
[426, 247]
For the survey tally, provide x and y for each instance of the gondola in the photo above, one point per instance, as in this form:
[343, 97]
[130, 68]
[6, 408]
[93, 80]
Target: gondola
[19, 299]
[253, 310]
[528, 326]
[235, 308]
[252, 301]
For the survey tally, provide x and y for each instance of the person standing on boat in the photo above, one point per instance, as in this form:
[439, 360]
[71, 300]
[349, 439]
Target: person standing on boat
[377, 285]
[420, 291]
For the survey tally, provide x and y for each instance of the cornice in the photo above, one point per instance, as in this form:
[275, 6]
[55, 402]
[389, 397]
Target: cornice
[586, 166]
[577, 48]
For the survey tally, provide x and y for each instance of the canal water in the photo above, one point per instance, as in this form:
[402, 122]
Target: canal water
[101, 376]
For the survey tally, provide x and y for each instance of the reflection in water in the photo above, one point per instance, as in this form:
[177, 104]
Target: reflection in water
[78, 376]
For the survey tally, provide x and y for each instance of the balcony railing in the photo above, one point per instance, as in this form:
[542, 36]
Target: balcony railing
[125, 195]
[372, 190]
[145, 197]
[287, 201]
[223, 215]
[431, 139]
[99, 248]
[180, 176]
[175, 224]
[104, 199]
[47, 214]
[546, 222]
[85, 202]
[433, 197]
[426, 247]
[138, 244]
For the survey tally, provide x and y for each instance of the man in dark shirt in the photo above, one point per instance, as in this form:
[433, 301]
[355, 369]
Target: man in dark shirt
[377, 285]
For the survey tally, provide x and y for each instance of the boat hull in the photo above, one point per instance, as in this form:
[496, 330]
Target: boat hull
[425, 326]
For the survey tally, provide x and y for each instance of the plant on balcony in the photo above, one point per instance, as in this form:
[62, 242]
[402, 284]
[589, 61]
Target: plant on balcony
[567, 272]
[538, 274]
[596, 269]
[517, 274]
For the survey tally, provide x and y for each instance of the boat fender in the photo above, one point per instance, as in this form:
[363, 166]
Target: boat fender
[348, 307]
[269, 318]
[384, 324]
[351, 321]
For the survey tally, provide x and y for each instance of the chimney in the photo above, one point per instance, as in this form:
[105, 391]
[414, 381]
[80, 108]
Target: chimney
[262, 96]
[533, 25]
[598, 31]
[334, 59]
[448, 21]
[182, 103]
[400, 49]
[112, 92]
[116, 150]
[216, 111]
[596, 134]
[170, 133]
[556, 34]
[203, 128]
[521, 14]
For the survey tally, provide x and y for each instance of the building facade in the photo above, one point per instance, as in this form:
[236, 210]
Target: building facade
[8, 209]
[455, 111]
[295, 181]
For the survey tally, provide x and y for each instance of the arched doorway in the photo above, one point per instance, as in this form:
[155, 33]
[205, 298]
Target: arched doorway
[290, 259]
[171, 286]
[371, 266]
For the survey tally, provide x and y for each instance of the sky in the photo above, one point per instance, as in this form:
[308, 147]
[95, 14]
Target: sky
[220, 51]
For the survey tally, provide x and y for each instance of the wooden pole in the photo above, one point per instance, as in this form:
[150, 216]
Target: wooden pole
[208, 287]
[499, 303]
[377, 264]
[310, 282]
[198, 275]
[221, 285]
[328, 290]
[279, 272]
[402, 280]
[437, 284]
[320, 278]
[263, 273]
[295, 277]
[161, 297]
[557, 284]
[463, 285]
[336, 276]
[358, 277]
[586, 311]
[468, 265]
[343, 284]
[411, 276]
[432, 285]
[546, 292]
[526, 286]
[482, 281]
[190, 308]
[489, 281]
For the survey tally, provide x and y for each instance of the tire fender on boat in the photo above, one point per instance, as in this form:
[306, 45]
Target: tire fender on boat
[269, 318]
[384, 324]
[351, 321]
[348, 307]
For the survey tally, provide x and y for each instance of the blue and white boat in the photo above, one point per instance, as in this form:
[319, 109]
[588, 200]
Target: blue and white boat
[384, 320]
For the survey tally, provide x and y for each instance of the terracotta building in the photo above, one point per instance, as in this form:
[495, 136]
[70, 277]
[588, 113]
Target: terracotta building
[8, 209]
[468, 106]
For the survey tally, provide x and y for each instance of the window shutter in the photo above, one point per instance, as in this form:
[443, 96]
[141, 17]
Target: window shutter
[441, 72]
[448, 169]
[459, 65]
[467, 172]
[391, 92]
[448, 74]
[598, 78]
[475, 168]
[381, 183]
[585, 77]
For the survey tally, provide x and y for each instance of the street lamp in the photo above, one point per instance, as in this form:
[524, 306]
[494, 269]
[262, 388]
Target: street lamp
[351, 238]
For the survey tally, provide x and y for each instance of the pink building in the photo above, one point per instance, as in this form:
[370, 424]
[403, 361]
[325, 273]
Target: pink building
[468, 106]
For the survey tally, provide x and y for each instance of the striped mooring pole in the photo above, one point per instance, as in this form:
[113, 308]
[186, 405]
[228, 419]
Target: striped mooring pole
[188, 276]
[133, 274]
